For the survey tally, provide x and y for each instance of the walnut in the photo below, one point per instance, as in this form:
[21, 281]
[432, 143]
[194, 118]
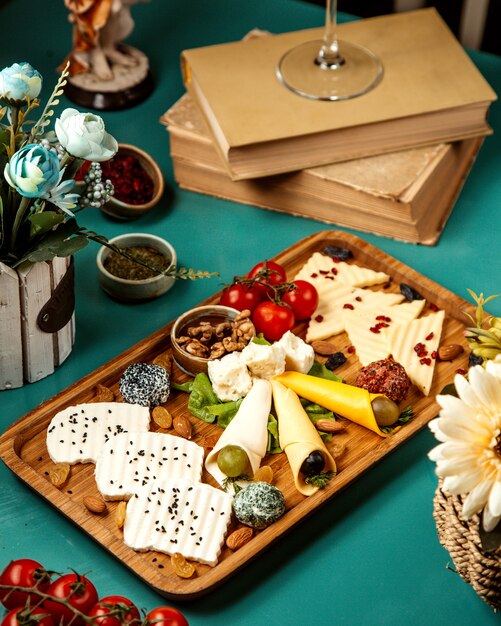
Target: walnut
[196, 348]
[203, 332]
[214, 341]
[231, 344]
[223, 329]
[217, 350]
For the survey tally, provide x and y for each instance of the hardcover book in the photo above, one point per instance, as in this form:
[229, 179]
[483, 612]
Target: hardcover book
[407, 195]
[431, 92]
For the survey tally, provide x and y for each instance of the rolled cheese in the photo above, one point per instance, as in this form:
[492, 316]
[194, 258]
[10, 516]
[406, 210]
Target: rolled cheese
[298, 436]
[248, 430]
[348, 401]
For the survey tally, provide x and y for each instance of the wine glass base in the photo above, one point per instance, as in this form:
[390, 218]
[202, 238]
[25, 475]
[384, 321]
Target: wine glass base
[300, 72]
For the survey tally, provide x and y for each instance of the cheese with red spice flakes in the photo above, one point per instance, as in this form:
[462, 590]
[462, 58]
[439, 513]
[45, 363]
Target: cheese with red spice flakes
[321, 270]
[367, 328]
[338, 301]
[414, 345]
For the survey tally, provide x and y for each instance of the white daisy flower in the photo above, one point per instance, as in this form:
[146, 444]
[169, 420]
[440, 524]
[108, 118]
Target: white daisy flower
[469, 429]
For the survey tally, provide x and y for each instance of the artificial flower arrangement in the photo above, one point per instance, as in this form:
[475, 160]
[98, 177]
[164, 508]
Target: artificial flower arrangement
[38, 197]
[468, 460]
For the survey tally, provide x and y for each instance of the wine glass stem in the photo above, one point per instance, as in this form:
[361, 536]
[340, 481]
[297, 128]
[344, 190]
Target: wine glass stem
[329, 56]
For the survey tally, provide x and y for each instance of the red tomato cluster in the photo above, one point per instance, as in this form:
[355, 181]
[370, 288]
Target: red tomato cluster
[276, 305]
[78, 594]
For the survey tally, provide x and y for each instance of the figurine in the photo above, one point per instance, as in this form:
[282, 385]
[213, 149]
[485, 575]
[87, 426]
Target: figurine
[104, 72]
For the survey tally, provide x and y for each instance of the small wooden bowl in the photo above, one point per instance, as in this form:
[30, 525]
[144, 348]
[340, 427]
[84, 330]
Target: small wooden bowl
[125, 211]
[136, 290]
[189, 363]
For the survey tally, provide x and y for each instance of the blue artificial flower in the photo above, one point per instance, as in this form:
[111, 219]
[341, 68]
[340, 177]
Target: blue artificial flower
[33, 171]
[20, 82]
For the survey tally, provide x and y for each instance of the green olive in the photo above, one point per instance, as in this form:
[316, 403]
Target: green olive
[233, 461]
[385, 410]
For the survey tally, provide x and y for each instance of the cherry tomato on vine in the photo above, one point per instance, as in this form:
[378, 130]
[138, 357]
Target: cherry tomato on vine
[241, 296]
[268, 273]
[167, 616]
[273, 320]
[303, 299]
[22, 573]
[108, 604]
[21, 615]
[80, 593]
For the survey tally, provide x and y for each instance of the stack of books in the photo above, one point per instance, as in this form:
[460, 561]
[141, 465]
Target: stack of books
[391, 162]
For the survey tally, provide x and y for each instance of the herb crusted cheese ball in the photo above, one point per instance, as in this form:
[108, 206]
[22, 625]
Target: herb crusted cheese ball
[258, 505]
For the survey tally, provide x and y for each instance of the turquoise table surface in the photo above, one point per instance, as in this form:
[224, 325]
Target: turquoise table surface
[371, 555]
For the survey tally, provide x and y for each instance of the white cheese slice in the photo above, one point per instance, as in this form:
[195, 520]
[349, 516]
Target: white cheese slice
[321, 270]
[403, 338]
[77, 434]
[132, 460]
[179, 516]
[338, 301]
[248, 430]
[367, 328]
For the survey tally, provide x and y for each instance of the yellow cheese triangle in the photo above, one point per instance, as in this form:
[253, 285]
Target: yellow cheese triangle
[298, 436]
[348, 401]
[403, 338]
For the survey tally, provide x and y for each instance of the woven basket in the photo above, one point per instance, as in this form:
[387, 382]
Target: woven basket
[460, 538]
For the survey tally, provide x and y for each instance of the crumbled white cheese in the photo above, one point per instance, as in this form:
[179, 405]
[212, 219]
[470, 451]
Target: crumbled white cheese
[264, 361]
[299, 355]
[229, 377]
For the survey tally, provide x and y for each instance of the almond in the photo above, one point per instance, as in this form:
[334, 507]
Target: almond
[59, 474]
[95, 504]
[239, 538]
[329, 425]
[162, 417]
[450, 351]
[324, 348]
[182, 426]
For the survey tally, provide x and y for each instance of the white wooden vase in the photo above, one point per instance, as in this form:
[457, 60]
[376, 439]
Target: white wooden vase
[37, 320]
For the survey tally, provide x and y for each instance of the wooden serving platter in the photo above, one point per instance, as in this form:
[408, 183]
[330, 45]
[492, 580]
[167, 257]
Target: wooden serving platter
[23, 447]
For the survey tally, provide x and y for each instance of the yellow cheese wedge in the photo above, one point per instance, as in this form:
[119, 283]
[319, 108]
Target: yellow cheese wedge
[348, 401]
[369, 340]
[298, 436]
[404, 337]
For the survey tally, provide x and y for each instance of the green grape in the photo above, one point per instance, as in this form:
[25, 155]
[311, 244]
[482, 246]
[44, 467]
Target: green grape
[233, 461]
[385, 410]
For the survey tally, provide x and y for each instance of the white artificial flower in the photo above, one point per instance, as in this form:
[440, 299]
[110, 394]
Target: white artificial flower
[84, 136]
[469, 455]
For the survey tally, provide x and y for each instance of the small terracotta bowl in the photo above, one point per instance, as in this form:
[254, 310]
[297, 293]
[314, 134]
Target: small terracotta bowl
[136, 290]
[189, 363]
[124, 211]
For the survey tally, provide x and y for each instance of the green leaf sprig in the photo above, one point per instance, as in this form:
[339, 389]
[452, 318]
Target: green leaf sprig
[320, 480]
